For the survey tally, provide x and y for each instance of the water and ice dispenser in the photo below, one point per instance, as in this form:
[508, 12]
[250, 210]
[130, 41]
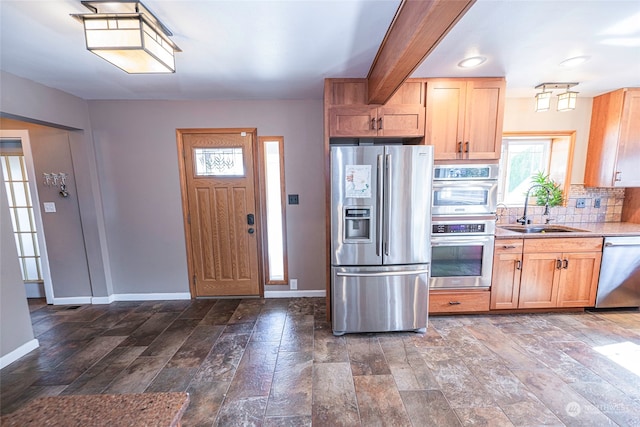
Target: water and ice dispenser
[357, 224]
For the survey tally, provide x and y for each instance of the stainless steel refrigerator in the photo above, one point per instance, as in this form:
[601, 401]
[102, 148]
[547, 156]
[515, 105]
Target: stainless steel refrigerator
[380, 243]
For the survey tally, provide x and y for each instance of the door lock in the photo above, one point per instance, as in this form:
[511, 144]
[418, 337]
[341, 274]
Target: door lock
[251, 231]
[250, 219]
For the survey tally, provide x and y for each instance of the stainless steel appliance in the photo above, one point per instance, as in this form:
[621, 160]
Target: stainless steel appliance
[619, 283]
[462, 252]
[380, 249]
[465, 189]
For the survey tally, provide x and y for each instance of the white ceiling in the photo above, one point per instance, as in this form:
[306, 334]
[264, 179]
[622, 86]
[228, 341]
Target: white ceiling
[268, 49]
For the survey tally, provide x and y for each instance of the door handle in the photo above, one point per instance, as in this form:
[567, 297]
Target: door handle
[618, 177]
[251, 219]
[454, 303]
[558, 264]
[565, 264]
[251, 231]
[518, 265]
[466, 147]
[373, 123]
[460, 147]
[380, 123]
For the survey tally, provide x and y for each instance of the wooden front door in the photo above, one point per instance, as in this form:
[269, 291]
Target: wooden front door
[221, 217]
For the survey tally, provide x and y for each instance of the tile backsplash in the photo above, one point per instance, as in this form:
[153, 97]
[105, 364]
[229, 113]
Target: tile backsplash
[610, 210]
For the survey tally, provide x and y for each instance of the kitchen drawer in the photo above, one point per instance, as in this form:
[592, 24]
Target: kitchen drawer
[576, 244]
[509, 246]
[458, 301]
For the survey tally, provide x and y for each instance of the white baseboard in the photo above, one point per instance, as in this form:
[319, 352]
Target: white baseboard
[294, 294]
[122, 297]
[151, 297]
[102, 300]
[71, 300]
[16, 354]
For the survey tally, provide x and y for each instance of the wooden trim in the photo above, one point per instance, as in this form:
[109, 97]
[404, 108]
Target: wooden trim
[185, 199]
[263, 201]
[416, 29]
[631, 206]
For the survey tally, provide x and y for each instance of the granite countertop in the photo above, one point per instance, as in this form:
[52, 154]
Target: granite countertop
[140, 409]
[600, 229]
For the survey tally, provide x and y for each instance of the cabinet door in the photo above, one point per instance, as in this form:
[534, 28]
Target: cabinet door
[406, 120]
[579, 279]
[445, 117]
[352, 121]
[505, 281]
[539, 282]
[483, 119]
[627, 170]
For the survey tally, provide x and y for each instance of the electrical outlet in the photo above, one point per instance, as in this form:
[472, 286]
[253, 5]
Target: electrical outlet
[596, 203]
[293, 284]
[293, 199]
[581, 203]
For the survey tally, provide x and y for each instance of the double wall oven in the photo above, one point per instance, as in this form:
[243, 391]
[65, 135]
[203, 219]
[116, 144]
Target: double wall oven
[463, 225]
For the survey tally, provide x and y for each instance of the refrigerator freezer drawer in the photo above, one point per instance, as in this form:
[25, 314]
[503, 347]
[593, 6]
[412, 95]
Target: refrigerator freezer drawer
[379, 299]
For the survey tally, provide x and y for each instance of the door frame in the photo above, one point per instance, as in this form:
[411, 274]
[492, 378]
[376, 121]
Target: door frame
[185, 199]
[23, 135]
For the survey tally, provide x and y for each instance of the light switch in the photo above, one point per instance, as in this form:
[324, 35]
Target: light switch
[49, 207]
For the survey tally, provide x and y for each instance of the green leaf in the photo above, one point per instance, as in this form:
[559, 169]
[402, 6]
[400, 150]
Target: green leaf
[541, 195]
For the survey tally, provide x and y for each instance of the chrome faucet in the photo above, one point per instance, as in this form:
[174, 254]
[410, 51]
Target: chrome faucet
[524, 219]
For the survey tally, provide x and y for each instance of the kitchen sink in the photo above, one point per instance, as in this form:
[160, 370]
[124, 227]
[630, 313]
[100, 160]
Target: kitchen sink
[540, 228]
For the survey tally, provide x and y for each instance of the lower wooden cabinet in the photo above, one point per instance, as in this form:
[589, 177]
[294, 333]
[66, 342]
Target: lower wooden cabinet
[553, 272]
[505, 280]
[458, 301]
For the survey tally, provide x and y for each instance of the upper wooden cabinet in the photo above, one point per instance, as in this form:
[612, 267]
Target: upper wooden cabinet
[614, 140]
[349, 116]
[464, 117]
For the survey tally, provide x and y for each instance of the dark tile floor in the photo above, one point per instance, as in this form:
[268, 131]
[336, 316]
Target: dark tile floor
[275, 363]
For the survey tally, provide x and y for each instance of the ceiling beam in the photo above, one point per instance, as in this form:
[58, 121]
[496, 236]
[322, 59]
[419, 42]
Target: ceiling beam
[415, 31]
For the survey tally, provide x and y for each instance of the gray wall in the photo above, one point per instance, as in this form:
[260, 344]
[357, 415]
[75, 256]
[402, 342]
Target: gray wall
[15, 323]
[138, 171]
[50, 110]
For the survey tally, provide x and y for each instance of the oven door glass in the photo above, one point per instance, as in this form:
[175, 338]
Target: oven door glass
[461, 262]
[464, 198]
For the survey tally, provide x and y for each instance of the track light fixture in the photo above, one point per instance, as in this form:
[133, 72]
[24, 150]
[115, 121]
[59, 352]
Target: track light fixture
[566, 100]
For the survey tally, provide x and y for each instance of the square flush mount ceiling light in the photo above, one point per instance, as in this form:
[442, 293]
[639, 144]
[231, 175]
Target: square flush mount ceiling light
[130, 37]
[566, 100]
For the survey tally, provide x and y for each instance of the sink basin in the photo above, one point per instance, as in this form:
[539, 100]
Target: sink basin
[540, 228]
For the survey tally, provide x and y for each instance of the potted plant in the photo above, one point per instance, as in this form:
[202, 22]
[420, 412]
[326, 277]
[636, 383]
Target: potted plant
[541, 195]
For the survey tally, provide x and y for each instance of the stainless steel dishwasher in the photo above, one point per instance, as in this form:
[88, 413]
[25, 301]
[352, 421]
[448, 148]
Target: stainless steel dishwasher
[619, 283]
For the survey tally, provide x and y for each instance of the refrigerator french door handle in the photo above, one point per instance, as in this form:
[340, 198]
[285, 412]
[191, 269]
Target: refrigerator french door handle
[379, 198]
[387, 204]
[384, 273]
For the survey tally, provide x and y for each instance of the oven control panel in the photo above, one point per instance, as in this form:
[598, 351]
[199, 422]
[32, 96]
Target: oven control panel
[458, 228]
